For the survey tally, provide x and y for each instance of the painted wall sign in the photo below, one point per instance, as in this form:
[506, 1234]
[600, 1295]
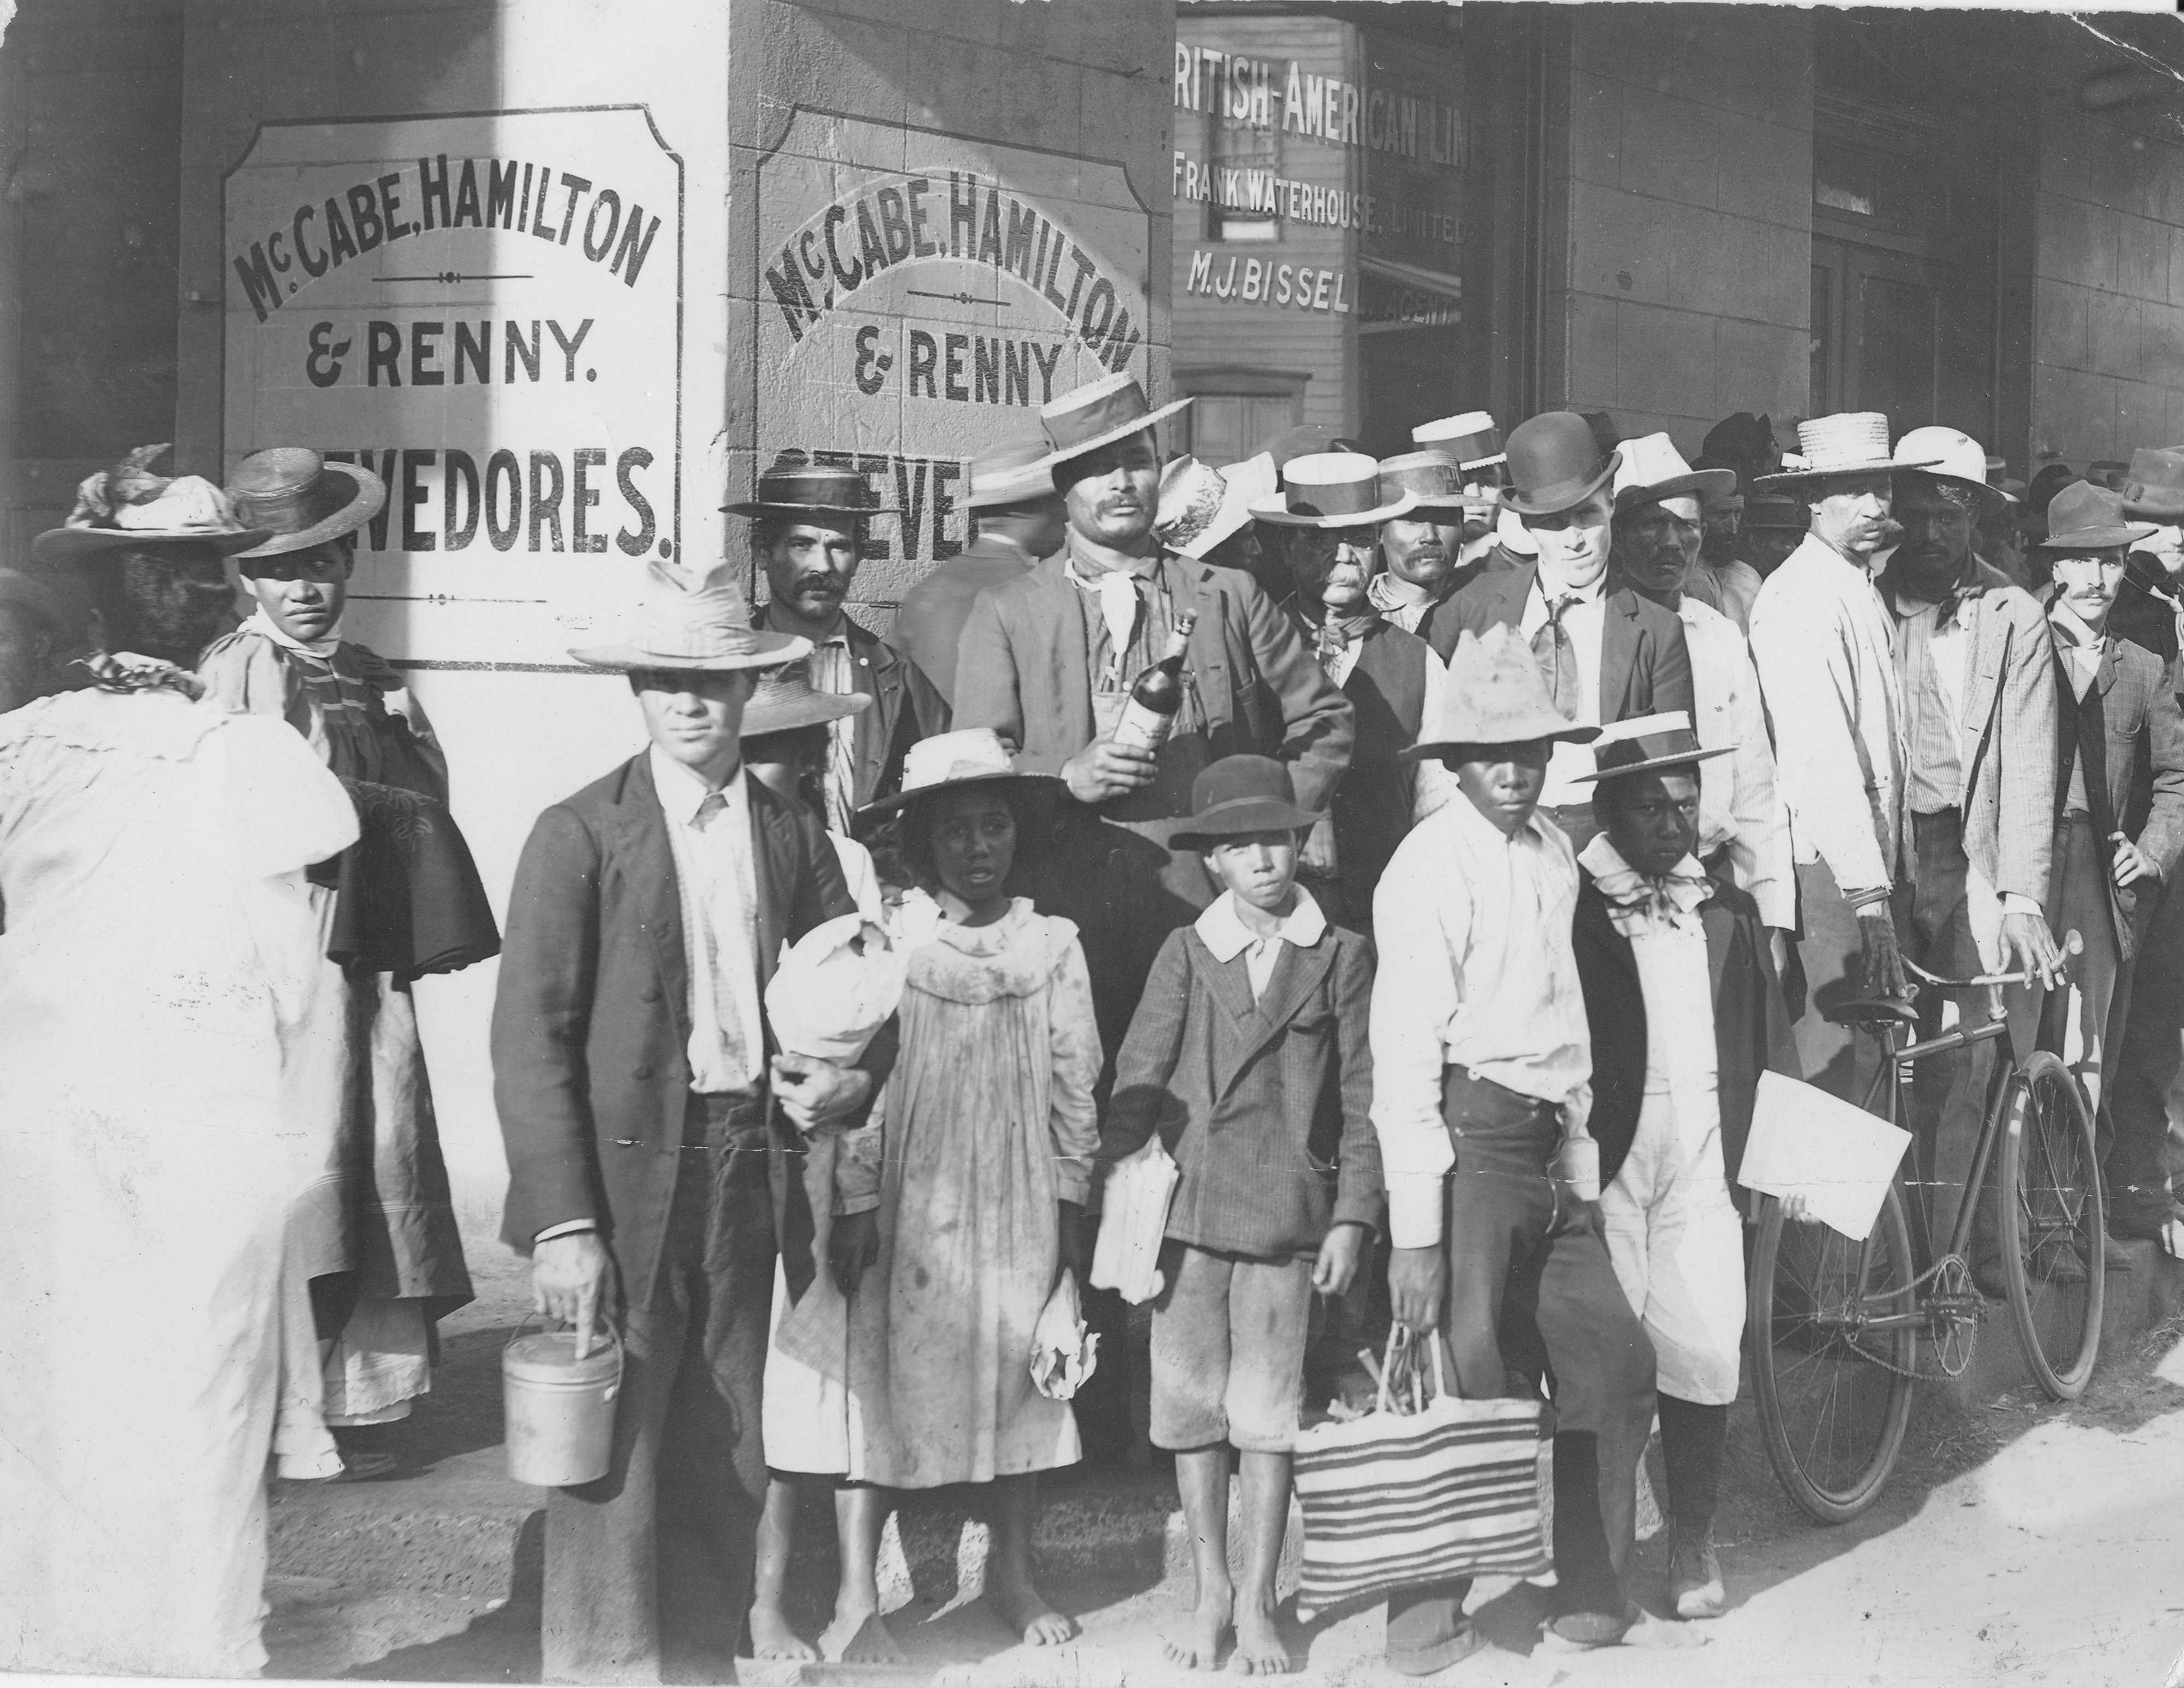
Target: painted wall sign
[921, 295]
[485, 309]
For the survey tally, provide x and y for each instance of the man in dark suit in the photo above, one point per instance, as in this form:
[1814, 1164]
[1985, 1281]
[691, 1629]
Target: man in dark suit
[1609, 654]
[808, 532]
[649, 1179]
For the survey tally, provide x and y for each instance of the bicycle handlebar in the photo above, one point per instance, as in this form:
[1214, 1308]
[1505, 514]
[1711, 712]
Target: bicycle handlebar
[2073, 947]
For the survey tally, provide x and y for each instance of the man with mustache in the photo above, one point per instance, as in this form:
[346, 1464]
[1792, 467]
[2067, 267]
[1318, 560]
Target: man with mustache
[1449, 537]
[1609, 654]
[808, 530]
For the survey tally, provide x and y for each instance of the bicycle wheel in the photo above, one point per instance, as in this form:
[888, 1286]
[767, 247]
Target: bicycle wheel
[1834, 1398]
[2052, 1241]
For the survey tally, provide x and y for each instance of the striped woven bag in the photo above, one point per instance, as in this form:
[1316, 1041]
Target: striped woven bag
[1448, 1488]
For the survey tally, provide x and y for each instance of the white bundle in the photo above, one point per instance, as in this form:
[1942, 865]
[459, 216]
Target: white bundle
[835, 988]
[1133, 1222]
[1064, 1352]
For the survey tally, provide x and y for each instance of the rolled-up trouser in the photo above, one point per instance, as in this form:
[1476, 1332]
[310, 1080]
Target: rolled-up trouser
[1532, 1296]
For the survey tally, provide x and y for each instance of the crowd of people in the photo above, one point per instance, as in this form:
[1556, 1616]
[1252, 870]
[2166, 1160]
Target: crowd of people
[1428, 854]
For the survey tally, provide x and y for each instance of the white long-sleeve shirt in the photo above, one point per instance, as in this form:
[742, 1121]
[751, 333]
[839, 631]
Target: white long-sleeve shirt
[1739, 805]
[1477, 970]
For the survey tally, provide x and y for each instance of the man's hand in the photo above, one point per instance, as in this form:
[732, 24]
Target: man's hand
[1883, 961]
[569, 1280]
[817, 1092]
[853, 1247]
[1336, 1268]
[1418, 1285]
[1104, 769]
[1317, 857]
[2028, 947]
[1076, 1249]
[2132, 864]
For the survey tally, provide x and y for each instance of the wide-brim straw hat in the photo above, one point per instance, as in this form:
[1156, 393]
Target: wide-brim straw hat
[127, 505]
[785, 699]
[953, 761]
[1013, 472]
[1645, 743]
[1471, 439]
[1850, 443]
[1495, 695]
[1332, 489]
[1237, 797]
[1097, 414]
[1191, 494]
[1651, 469]
[1951, 456]
[705, 629]
[796, 486]
[304, 499]
[2086, 517]
[1434, 480]
[1243, 485]
[2154, 486]
[1555, 463]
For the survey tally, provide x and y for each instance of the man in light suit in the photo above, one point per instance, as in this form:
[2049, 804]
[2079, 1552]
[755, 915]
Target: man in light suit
[648, 1179]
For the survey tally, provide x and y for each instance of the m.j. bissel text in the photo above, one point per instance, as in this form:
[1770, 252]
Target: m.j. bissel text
[543, 200]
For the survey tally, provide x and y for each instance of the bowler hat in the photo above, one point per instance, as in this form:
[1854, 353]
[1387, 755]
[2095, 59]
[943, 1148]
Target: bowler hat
[1645, 743]
[1471, 438]
[785, 699]
[705, 628]
[1651, 469]
[1013, 472]
[1555, 462]
[1432, 478]
[1333, 489]
[1850, 443]
[1495, 695]
[2084, 517]
[303, 499]
[2155, 487]
[796, 486]
[1097, 414]
[947, 761]
[1236, 796]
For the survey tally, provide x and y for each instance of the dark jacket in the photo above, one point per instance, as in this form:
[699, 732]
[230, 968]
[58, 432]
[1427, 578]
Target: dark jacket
[1751, 1026]
[928, 624]
[1266, 1105]
[2147, 608]
[1644, 667]
[905, 708]
[590, 1024]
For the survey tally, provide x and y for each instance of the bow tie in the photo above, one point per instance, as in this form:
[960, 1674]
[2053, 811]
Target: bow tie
[1637, 904]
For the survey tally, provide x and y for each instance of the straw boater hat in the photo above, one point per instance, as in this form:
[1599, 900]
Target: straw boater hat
[2153, 487]
[1333, 489]
[949, 762]
[1433, 480]
[128, 505]
[785, 699]
[1555, 462]
[1954, 457]
[1097, 414]
[1238, 796]
[1495, 695]
[1009, 473]
[1645, 743]
[2084, 517]
[704, 629]
[304, 499]
[1650, 470]
[1852, 442]
[1471, 439]
[794, 486]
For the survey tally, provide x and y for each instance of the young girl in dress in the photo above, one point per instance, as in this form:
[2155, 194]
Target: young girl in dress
[990, 1133]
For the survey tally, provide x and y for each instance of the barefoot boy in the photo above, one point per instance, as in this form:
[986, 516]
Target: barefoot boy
[1248, 1056]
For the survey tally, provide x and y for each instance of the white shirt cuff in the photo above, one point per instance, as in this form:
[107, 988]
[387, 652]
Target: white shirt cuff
[1414, 1209]
[567, 1229]
[2016, 902]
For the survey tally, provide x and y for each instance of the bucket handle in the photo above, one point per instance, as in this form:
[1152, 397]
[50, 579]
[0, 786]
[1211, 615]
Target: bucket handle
[614, 1337]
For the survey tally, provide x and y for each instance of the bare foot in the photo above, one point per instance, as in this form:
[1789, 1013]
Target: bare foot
[1025, 1610]
[1198, 1647]
[772, 1638]
[860, 1638]
[1260, 1651]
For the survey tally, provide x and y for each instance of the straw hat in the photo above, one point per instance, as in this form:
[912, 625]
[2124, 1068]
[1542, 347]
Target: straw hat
[1852, 443]
[1555, 462]
[785, 699]
[1332, 489]
[2153, 486]
[1238, 796]
[1495, 695]
[128, 505]
[705, 628]
[1644, 742]
[1243, 485]
[1471, 438]
[1433, 480]
[1190, 497]
[1949, 455]
[2084, 517]
[948, 761]
[1651, 469]
[796, 486]
[304, 499]
[1097, 414]
[1013, 472]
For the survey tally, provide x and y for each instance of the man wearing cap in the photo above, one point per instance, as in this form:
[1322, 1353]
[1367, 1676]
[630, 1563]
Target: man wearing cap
[1659, 502]
[1668, 955]
[1482, 1073]
[36, 622]
[1977, 685]
[1472, 441]
[649, 1161]
[2119, 831]
[1424, 549]
[1016, 520]
[1609, 654]
[807, 531]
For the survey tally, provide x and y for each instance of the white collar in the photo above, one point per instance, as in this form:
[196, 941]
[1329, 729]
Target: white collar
[1224, 932]
[1397, 592]
[1462, 812]
[2072, 627]
[322, 649]
[1090, 574]
[682, 793]
[1584, 594]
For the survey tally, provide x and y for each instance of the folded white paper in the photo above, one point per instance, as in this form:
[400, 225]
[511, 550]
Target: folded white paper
[1805, 1142]
[1133, 1221]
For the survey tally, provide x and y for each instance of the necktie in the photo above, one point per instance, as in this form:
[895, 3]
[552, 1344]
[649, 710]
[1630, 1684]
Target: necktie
[1336, 635]
[726, 1011]
[1558, 655]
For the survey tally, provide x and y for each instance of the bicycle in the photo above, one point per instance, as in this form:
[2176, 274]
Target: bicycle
[1838, 1326]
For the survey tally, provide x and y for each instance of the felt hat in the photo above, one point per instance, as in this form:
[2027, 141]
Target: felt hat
[2051, 480]
[1332, 489]
[304, 499]
[48, 600]
[2084, 517]
[1470, 437]
[1651, 469]
[705, 628]
[1555, 462]
[1948, 455]
[1013, 472]
[1852, 443]
[1434, 480]
[795, 485]
[1495, 695]
[1190, 522]
[948, 761]
[1744, 442]
[2154, 484]
[1236, 796]
[1776, 510]
[1097, 414]
[2106, 471]
[1644, 742]
[129, 505]
[785, 699]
